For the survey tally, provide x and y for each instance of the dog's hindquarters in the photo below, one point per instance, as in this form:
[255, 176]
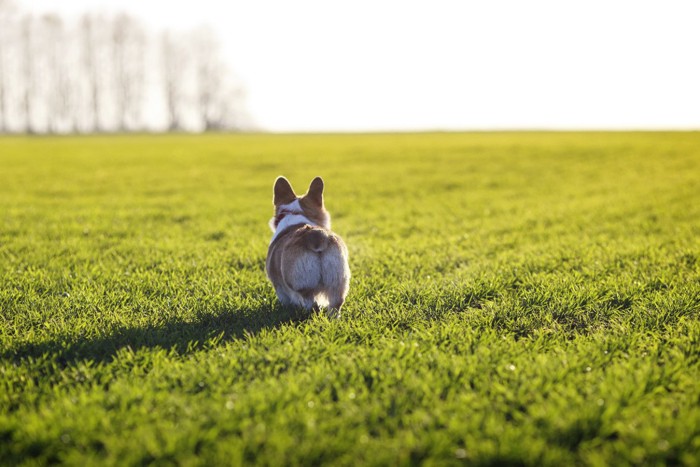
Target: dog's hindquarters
[301, 273]
[314, 270]
[335, 272]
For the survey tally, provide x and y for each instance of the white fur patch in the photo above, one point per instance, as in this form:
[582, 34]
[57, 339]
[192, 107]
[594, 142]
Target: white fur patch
[293, 206]
[289, 219]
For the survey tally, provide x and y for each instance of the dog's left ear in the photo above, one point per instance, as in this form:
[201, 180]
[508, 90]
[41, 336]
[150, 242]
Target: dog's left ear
[283, 192]
[315, 193]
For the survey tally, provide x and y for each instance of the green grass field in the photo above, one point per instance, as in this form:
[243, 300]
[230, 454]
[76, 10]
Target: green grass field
[517, 298]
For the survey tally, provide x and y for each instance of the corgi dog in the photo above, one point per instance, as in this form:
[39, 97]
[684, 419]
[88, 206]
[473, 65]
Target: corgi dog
[306, 262]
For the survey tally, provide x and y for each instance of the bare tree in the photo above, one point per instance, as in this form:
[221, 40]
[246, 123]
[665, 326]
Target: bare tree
[28, 74]
[121, 85]
[128, 44]
[61, 108]
[4, 39]
[3, 86]
[91, 68]
[209, 78]
[174, 69]
[219, 95]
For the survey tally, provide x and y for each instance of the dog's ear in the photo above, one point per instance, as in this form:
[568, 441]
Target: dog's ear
[283, 192]
[315, 193]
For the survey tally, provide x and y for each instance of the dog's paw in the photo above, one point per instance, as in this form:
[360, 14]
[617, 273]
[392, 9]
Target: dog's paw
[333, 313]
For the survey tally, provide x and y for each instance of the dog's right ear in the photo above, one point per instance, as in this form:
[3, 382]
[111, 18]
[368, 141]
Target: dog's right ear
[315, 193]
[283, 192]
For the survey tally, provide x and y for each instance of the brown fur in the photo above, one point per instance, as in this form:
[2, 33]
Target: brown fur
[306, 262]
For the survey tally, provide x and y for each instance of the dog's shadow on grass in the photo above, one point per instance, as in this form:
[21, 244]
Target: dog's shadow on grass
[179, 336]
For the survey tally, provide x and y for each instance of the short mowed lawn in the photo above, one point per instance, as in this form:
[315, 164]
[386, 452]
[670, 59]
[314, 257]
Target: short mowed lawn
[517, 298]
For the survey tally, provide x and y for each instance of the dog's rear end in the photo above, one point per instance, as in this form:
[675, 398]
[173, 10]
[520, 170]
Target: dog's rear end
[308, 268]
[306, 262]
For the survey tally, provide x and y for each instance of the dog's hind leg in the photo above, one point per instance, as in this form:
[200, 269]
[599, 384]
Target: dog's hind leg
[283, 296]
[304, 299]
[336, 278]
[335, 303]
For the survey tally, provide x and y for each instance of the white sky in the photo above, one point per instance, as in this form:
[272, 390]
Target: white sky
[314, 65]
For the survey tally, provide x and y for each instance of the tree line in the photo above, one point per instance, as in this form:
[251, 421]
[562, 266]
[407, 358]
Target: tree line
[109, 73]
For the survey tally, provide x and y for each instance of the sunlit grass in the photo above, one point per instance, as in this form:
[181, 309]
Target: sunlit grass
[523, 298]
